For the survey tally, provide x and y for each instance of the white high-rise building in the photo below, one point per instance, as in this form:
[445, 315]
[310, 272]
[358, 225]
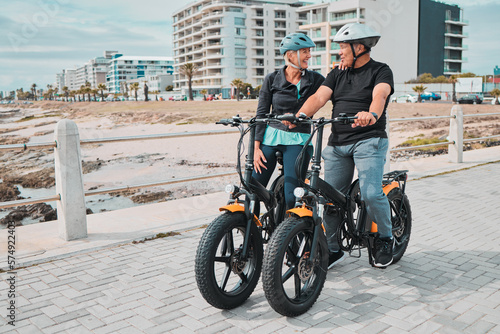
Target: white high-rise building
[418, 36]
[229, 39]
[124, 69]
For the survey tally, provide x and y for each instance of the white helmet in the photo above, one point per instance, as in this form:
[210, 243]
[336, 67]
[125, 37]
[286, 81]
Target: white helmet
[357, 33]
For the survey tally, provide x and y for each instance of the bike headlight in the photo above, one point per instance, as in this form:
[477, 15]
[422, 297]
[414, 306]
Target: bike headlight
[299, 192]
[230, 188]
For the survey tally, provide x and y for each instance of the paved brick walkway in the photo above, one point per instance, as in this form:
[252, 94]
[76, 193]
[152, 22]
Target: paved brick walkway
[447, 282]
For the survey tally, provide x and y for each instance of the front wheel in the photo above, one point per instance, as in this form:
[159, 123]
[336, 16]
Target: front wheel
[226, 279]
[292, 277]
[401, 222]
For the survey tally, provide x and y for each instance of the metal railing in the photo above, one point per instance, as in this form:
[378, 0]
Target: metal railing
[57, 197]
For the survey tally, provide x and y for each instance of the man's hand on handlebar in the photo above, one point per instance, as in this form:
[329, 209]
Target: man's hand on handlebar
[364, 118]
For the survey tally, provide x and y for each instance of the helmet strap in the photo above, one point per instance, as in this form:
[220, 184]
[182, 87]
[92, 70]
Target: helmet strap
[357, 56]
[302, 70]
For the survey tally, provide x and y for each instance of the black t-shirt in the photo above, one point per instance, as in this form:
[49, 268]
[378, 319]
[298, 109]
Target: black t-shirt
[352, 93]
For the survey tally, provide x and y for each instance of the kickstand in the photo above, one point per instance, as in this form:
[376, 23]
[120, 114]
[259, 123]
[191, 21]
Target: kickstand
[354, 248]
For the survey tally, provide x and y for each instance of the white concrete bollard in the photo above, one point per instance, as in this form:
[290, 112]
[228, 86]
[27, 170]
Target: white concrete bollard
[71, 211]
[456, 151]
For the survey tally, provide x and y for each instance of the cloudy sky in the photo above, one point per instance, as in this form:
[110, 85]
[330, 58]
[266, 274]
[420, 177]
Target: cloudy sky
[38, 38]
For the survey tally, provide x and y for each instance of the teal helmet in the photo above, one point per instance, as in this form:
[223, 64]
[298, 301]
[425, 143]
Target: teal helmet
[295, 41]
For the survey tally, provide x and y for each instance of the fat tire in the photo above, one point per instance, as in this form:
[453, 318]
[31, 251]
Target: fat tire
[205, 272]
[401, 222]
[278, 188]
[274, 261]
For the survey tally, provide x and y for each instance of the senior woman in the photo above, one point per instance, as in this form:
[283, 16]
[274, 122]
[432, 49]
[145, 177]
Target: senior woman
[285, 91]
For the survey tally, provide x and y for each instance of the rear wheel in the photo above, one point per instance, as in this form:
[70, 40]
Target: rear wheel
[224, 278]
[401, 222]
[293, 278]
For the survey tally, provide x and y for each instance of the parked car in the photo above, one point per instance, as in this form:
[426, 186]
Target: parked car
[430, 96]
[176, 98]
[407, 98]
[471, 99]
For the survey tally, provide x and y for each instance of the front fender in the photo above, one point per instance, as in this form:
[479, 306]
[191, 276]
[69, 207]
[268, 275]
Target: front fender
[301, 212]
[239, 208]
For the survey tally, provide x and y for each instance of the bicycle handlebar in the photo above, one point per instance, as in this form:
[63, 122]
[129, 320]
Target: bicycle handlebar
[237, 120]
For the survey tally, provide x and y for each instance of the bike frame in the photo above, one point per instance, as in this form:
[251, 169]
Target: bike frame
[321, 193]
[253, 190]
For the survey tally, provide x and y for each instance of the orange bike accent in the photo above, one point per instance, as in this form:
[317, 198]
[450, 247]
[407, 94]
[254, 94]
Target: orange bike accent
[239, 208]
[301, 212]
[387, 189]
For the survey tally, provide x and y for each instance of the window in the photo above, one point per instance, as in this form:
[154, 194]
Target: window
[343, 16]
[279, 34]
[279, 14]
[260, 52]
[239, 41]
[240, 73]
[279, 63]
[239, 21]
[240, 32]
[239, 62]
[239, 52]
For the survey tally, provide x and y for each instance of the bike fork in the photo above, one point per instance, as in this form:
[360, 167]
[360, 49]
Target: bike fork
[249, 215]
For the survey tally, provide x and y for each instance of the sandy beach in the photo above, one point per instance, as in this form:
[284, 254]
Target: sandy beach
[136, 162]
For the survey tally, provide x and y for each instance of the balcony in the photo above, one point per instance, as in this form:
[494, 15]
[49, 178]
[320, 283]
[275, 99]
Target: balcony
[455, 46]
[454, 33]
[455, 59]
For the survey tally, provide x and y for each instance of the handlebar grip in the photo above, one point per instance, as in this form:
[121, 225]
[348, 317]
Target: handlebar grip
[288, 117]
[225, 121]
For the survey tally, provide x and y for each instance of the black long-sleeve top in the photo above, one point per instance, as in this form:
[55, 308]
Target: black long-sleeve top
[281, 95]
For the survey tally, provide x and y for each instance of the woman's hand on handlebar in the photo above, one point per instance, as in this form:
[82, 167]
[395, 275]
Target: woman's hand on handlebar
[364, 118]
[259, 160]
[289, 124]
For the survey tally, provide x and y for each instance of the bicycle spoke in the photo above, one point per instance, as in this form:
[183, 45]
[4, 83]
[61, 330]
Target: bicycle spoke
[224, 259]
[289, 273]
[225, 277]
[298, 289]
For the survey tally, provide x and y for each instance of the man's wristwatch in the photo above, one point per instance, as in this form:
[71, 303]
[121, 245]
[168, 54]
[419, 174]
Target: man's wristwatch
[375, 115]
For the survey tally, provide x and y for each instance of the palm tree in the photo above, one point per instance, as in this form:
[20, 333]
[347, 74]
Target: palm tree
[65, 89]
[33, 89]
[419, 90]
[102, 87]
[453, 79]
[88, 89]
[238, 83]
[496, 94]
[189, 70]
[55, 90]
[204, 92]
[135, 87]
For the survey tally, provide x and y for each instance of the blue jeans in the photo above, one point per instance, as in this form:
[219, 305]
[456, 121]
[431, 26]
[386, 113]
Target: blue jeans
[369, 158]
[290, 153]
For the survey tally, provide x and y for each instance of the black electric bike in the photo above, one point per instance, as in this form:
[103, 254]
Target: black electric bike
[229, 256]
[296, 258]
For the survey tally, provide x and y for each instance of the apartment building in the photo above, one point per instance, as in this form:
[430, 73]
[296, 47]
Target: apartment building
[94, 71]
[124, 69]
[418, 36]
[230, 39]
[67, 78]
